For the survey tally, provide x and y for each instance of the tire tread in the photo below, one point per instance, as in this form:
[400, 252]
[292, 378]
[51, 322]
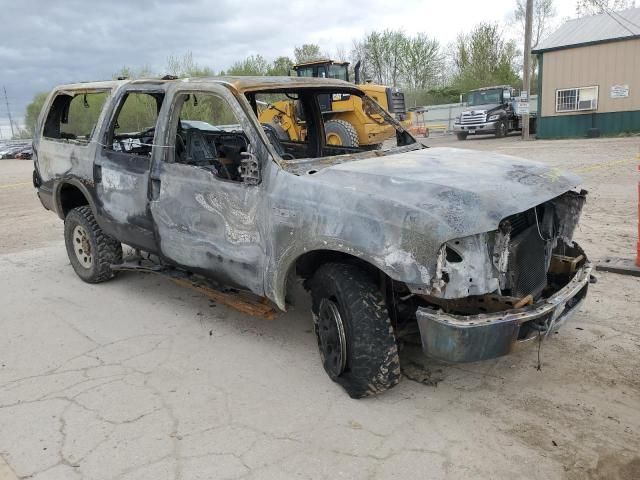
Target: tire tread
[108, 249]
[374, 364]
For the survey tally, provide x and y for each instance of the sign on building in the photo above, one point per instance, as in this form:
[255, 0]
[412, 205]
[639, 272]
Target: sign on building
[522, 108]
[619, 91]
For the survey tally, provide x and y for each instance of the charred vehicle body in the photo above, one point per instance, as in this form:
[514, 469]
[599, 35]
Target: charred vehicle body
[474, 249]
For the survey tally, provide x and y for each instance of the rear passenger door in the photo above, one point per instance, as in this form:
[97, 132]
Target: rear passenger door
[122, 165]
[67, 142]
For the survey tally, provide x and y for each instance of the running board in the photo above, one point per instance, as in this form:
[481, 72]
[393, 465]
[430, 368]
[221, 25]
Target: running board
[243, 301]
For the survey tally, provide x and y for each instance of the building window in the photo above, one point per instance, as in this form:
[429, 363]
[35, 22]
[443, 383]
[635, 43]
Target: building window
[576, 99]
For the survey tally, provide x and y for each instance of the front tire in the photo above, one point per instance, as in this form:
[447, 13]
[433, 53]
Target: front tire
[356, 340]
[462, 135]
[501, 129]
[91, 252]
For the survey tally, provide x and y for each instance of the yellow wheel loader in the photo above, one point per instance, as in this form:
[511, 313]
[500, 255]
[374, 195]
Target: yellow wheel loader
[346, 122]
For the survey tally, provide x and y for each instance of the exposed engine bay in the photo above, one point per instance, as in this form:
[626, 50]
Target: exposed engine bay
[517, 269]
[516, 259]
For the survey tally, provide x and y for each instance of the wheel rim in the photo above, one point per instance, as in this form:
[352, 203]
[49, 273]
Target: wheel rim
[333, 139]
[82, 246]
[331, 338]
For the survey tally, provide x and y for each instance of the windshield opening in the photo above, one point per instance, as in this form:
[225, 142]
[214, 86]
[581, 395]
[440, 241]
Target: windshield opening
[484, 97]
[311, 123]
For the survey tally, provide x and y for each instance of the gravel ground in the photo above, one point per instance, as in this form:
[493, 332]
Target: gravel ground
[141, 379]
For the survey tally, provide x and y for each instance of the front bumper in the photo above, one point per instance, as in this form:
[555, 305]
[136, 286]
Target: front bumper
[459, 338]
[484, 127]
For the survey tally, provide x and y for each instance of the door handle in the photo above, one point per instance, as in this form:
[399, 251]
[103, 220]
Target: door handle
[155, 188]
[97, 173]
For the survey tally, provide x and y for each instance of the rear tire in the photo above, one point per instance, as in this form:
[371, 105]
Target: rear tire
[462, 135]
[342, 133]
[356, 340]
[91, 252]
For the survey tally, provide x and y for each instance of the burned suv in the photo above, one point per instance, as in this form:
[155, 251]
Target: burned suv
[474, 249]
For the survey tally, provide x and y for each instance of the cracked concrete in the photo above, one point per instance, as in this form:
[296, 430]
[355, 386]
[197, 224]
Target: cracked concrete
[140, 379]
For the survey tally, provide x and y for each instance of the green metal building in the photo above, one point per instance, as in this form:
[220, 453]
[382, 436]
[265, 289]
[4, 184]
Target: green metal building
[589, 77]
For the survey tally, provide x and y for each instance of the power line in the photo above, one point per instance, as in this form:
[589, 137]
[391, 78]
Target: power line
[627, 20]
[606, 10]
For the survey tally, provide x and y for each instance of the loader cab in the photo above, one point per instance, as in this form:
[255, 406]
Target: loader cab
[323, 69]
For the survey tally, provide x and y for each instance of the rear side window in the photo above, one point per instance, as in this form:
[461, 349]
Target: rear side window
[73, 118]
[138, 113]
[132, 130]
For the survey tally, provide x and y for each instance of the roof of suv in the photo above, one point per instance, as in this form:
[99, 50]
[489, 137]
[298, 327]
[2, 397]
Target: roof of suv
[240, 84]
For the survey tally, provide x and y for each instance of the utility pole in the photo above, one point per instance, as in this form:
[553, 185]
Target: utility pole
[526, 74]
[6, 101]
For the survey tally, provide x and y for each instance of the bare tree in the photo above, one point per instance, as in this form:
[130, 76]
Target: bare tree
[595, 7]
[543, 14]
[186, 66]
[341, 53]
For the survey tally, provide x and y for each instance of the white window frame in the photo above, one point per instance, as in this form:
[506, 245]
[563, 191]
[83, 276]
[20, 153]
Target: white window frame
[574, 107]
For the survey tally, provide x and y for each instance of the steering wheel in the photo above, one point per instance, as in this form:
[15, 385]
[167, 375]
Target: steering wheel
[221, 166]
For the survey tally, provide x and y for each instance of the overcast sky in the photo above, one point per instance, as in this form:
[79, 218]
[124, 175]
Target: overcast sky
[46, 42]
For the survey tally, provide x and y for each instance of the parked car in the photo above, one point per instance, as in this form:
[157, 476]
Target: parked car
[25, 153]
[472, 249]
[10, 151]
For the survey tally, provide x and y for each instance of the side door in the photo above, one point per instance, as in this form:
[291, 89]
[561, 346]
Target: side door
[208, 215]
[122, 166]
[65, 144]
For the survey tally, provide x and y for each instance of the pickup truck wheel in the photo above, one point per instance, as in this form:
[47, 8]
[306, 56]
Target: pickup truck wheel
[341, 132]
[461, 135]
[356, 340]
[91, 252]
[501, 129]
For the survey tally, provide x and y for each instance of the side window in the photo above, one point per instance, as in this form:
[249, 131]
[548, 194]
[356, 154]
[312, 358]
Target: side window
[355, 124]
[73, 117]
[283, 119]
[133, 128]
[209, 135]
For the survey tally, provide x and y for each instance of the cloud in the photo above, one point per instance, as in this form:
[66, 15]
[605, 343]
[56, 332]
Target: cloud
[45, 43]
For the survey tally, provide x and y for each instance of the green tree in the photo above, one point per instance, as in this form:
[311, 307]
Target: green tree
[186, 67]
[280, 66]
[483, 57]
[307, 53]
[252, 65]
[421, 62]
[381, 55]
[128, 72]
[33, 110]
